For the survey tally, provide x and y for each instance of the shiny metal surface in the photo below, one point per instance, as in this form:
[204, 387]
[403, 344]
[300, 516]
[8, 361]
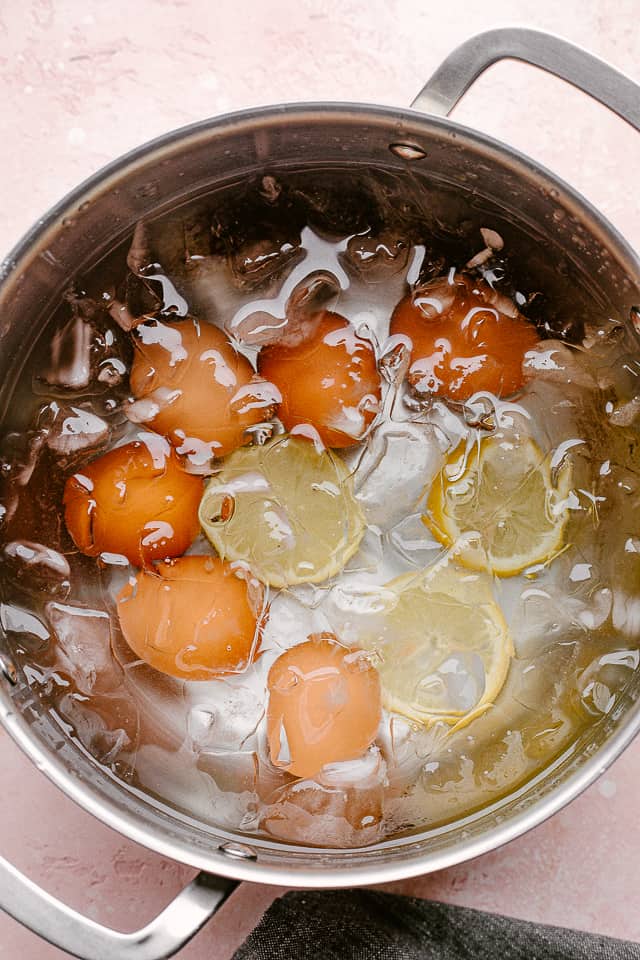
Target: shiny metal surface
[588, 73]
[546, 222]
[70, 931]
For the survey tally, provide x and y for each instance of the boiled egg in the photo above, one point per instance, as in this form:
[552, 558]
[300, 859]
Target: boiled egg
[195, 617]
[329, 381]
[462, 340]
[324, 705]
[191, 385]
[135, 501]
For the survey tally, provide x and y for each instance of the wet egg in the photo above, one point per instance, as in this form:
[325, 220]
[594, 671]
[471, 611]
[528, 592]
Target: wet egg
[194, 617]
[324, 705]
[191, 385]
[329, 381]
[135, 501]
[462, 341]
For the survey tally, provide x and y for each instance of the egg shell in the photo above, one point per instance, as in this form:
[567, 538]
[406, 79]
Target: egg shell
[324, 706]
[329, 380]
[192, 618]
[135, 501]
[461, 342]
[194, 388]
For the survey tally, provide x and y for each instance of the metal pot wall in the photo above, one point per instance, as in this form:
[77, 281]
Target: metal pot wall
[514, 195]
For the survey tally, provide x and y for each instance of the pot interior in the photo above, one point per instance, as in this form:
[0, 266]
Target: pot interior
[428, 179]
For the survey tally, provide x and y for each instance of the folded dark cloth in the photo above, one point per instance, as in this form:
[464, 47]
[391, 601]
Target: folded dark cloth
[368, 925]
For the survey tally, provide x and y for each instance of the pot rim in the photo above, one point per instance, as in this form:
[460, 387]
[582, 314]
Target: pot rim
[216, 861]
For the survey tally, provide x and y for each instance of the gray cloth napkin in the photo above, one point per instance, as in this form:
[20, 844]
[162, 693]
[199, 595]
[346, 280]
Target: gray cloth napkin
[367, 925]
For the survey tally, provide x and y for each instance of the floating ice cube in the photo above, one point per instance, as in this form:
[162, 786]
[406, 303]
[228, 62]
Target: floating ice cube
[257, 261]
[377, 256]
[605, 678]
[223, 715]
[86, 355]
[232, 771]
[27, 628]
[291, 622]
[544, 612]
[265, 320]
[411, 540]
[396, 470]
[106, 725]
[84, 647]
[160, 700]
[342, 807]
[73, 430]
[408, 747]
[35, 567]
[173, 775]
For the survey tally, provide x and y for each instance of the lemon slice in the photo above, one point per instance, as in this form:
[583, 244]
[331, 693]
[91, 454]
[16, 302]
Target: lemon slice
[444, 647]
[503, 494]
[286, 508]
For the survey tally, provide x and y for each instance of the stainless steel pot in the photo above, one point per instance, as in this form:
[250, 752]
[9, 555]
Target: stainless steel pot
[513, 191]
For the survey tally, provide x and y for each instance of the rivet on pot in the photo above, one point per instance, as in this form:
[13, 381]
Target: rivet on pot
[634, 316]
[8, 670]
[407, 151]
[239, 851]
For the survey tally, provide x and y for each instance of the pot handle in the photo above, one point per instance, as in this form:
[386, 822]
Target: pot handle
[464, 65]
[81, 937]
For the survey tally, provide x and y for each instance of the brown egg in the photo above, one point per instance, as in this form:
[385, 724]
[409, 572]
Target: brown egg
[324, 705]
[192, 387]
[461, 342]
[135, 501]
[192, 618]
[329, 381]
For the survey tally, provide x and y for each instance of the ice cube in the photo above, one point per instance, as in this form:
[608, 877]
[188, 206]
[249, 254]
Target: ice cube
[25, 627]
[267, 320]
[552, 361]
[28, 487]
[605, 678]
[71, 355]
[396, 470]
[260, 260]
[342, 807]
[376, 256]
[84, 647]
[232, 771]
[336, 207]
[411, 540]
[368, 557]
[106, 725]
[35, 567]
[225, 714]
[160, 700]
[173, 775]
[408, 747]
[290, 622]
[544, 613]
[356, 608]
[86, 355]
[232, 780]
[72, 431]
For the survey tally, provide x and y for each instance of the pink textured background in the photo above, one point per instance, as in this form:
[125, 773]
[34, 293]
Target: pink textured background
[85, 80]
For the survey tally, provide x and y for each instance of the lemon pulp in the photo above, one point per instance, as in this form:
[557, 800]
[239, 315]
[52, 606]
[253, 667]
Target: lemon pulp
[502, 495]
[286, 508]
[443, 645]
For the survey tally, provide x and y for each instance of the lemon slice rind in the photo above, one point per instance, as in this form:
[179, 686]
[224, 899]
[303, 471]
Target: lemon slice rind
[286, 489]
[546, 534]
[473, 619]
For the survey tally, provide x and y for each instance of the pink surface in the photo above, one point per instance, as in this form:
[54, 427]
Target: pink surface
[85, 80]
